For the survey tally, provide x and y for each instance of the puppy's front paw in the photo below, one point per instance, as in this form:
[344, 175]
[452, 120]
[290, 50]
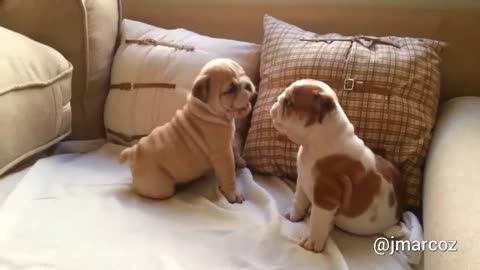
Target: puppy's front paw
[294, 216]
[314, 245]
[234, 196]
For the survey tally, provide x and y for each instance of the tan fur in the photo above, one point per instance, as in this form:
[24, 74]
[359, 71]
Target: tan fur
[199, 138]
[125, 155]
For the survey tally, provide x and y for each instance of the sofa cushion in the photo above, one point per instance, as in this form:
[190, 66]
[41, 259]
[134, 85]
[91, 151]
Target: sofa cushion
[388, 87]
[153, 71]
[87, 39]
[35, 88]
[451, 203]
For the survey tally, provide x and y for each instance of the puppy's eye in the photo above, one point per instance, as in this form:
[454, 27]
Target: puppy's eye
[248, 87]
[287, 103]
[232, 88]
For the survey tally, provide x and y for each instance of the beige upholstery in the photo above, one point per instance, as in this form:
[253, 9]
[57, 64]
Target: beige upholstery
[85, 32]
[452, 184]
[35, 87]
[458, 25]
[103, 20]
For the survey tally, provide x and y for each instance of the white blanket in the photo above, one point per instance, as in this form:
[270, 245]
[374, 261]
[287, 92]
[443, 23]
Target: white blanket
[77, 211]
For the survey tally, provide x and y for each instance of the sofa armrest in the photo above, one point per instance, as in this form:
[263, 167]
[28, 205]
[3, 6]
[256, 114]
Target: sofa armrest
[85, 33]
[452, 184]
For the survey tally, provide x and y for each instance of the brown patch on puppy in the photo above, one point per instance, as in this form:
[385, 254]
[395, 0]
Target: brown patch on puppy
[201, 88]
[392, 175]
[309, 102]
[343, 182]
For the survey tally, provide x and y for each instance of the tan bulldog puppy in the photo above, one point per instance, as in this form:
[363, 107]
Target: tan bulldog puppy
[198, 139]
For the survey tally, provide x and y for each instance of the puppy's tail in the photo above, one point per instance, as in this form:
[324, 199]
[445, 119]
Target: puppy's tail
[127, 154]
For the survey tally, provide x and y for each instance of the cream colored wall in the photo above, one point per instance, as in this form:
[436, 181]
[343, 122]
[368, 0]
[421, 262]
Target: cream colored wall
[242, 19]
[403, 3]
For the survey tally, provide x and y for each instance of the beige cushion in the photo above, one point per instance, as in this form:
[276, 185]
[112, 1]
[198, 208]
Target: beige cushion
[388, 87]
[452, 183]
[85, 32]
[153, 71]
[35, 85]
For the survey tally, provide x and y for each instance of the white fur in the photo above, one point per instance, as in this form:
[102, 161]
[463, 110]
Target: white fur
[335, 135]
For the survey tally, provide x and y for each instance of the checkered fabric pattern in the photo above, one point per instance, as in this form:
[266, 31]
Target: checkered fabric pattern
[388, 86]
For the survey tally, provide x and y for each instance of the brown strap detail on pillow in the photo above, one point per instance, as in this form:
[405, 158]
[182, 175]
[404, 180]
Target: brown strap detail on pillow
[130, 86]
[354, 85]
[366, 41]
[125, 137]
[153, 42]
[364, 87]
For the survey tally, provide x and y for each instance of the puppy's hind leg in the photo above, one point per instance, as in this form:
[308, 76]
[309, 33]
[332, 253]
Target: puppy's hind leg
[152, 182]
[300, 205]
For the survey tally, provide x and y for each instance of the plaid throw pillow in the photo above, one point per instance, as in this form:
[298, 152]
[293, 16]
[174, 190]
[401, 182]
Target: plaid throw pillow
[388, 87]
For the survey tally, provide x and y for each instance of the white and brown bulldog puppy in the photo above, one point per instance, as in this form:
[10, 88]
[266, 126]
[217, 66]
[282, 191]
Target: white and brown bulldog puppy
[342, 180]
[199, 137]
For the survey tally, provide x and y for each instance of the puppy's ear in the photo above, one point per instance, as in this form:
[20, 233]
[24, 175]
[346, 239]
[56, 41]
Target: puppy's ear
[201, 88]
[321, 106]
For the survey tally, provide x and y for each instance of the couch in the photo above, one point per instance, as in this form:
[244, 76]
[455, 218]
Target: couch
[88, 39]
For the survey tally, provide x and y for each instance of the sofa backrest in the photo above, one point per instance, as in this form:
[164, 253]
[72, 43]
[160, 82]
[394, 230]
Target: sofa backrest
[457, 23]
[84, 32]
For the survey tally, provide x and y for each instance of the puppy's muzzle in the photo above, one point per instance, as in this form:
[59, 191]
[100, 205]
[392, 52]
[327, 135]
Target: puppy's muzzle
[243, 98]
